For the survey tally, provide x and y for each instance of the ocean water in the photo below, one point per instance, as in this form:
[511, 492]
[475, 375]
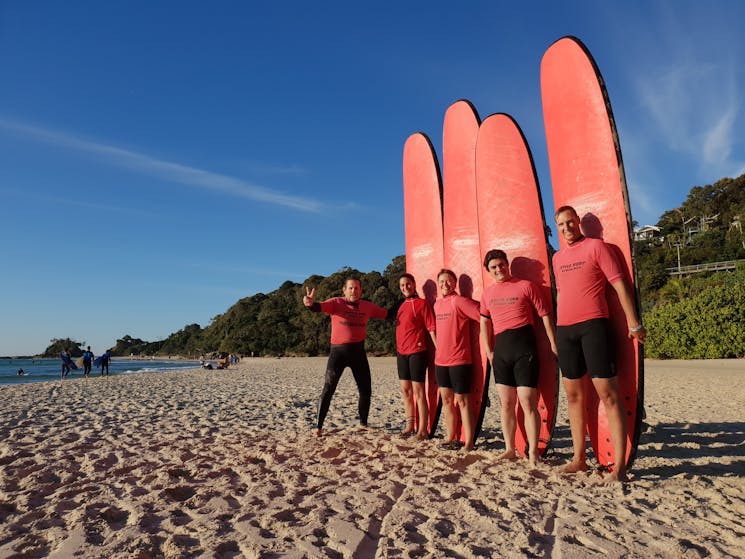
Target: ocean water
[38, 370]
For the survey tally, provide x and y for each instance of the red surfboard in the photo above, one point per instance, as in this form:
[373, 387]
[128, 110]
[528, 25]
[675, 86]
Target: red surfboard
[461, 230]
[511, 218]
[423, 231]
[587, 173]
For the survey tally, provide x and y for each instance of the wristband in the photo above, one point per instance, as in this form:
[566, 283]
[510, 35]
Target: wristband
[636, 328]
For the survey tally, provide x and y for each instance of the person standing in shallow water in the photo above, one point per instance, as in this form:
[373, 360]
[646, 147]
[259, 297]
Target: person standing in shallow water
[453, 359]
[87, 362]
[583, 268]
[349, 317]
[507, 334]
[105, 358]
[415, 321]
[65, 357]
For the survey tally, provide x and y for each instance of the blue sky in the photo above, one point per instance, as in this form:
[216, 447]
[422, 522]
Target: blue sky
[161, 160]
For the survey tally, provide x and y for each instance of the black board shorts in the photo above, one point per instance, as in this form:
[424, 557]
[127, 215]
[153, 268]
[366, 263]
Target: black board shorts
[586, 347]
[413, 367]
[455, 377]
[515, 360]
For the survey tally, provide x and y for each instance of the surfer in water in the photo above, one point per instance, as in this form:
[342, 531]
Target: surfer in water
[349, 317]
[453, 360]
[582, 269]
[415, 321]
[507, 334]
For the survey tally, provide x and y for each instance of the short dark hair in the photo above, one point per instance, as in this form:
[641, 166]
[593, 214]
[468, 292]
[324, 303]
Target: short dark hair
[352, 278]
[406, 275]
[563, 209]
[495, 254]
[449, 272]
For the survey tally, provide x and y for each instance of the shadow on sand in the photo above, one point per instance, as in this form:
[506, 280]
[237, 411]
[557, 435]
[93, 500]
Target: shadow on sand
[674, 449]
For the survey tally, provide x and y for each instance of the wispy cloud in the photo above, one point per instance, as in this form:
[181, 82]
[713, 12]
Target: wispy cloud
[103, 208]
[167, 170]
[691, 95]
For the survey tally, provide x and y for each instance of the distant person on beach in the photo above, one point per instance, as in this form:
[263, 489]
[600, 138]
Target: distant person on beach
[453, 359]
[583, 269]
[66, 360]
[349, 317]
[507, 308]
[415, 322]
[87, 362]
[20, 372]
[105, 358]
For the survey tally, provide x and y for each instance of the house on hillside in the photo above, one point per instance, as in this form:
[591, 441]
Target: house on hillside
[647, 233]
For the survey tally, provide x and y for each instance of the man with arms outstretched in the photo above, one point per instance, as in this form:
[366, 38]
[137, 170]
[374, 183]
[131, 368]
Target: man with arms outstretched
[349, 316]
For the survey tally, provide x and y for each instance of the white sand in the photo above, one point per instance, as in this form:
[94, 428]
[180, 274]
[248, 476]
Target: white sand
[224, 464]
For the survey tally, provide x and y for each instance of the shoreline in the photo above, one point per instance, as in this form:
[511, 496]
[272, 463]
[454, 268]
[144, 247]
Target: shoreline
[224, 463]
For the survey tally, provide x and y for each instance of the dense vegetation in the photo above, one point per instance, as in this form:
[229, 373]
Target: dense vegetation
[57, 346]
[701, 316]
[704, 318]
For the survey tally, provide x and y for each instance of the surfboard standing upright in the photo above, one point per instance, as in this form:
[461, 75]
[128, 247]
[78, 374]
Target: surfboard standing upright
[461, 231]
[423, 231]
[511, 218]
[442, 229]
[587, 173]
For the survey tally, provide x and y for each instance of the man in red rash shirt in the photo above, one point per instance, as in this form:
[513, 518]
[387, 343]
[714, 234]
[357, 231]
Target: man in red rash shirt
[582, 269]
[349, 316]
[507, 308]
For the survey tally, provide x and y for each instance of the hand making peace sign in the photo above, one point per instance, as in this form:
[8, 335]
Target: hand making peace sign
[310, 293]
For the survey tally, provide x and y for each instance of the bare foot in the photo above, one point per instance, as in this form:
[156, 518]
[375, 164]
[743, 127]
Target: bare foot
[364, 428]
[574, 467]
[615, 477]
[422, 436]
[534, 460]
[468, 447]
[409, 428]
[508, 454]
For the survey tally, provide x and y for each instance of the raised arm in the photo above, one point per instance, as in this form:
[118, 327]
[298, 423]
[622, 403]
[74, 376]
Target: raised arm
[308, 299]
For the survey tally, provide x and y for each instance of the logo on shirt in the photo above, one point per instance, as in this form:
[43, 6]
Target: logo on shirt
[503, 301]
[444, 315]
[573, 266]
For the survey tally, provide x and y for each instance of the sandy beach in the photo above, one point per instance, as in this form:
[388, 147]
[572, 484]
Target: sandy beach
[224, 464]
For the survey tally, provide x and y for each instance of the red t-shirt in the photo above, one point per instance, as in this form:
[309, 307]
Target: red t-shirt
[452, 315]
[582, 269]
[510, 304]
[349, 321]
[414, 321]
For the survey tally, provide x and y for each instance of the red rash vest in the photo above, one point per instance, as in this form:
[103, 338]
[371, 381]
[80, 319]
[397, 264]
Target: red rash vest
[452, 314]
[582, 270]
[348, 320]
[510, 304]
[414, 321]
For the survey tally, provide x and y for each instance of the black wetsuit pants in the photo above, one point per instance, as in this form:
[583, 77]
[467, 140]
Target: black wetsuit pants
[340, 357]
